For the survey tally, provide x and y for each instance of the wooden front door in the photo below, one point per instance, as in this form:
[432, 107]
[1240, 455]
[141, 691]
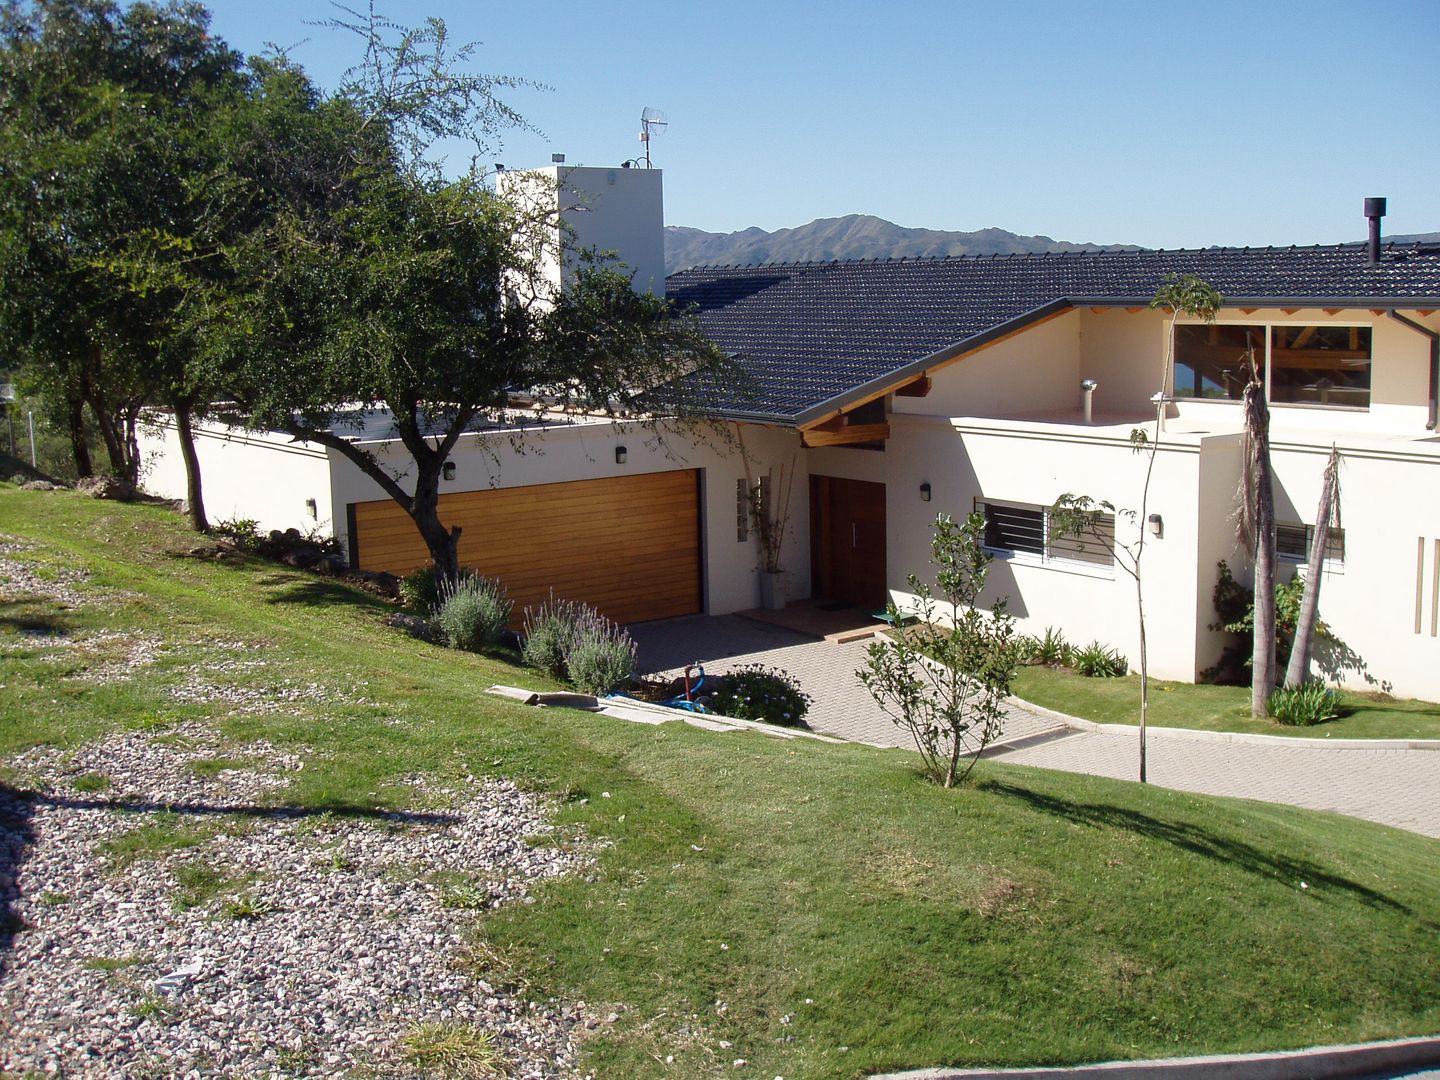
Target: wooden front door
[847, 541]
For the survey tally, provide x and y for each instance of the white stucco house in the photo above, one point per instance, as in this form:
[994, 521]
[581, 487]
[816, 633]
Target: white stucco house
[893, 390]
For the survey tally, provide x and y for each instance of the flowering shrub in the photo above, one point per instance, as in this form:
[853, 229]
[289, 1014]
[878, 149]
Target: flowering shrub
[756, 692]
[550, 635]
[473, 613]
[601, 656]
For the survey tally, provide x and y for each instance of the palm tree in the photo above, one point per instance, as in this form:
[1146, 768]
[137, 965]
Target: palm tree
[1256, 533]
[1298, 670]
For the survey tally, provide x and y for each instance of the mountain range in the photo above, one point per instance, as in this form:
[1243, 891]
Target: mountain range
[863, 236]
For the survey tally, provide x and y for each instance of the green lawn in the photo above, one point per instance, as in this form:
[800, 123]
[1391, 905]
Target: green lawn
[821, 908]
[1218, 708]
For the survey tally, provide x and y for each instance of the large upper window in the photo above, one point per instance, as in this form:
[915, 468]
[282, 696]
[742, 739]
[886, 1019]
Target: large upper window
[1301, 365]
[1320, 365]
[1214, 361]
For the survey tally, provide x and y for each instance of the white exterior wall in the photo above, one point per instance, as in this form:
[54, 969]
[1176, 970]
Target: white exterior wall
[1372, 599]
[611, 210]
[267, 477]
[982, 431]
[996, 441]
[1033, 372]
[587, 452]
[1122, 351]
[258, 475]
[965, 458]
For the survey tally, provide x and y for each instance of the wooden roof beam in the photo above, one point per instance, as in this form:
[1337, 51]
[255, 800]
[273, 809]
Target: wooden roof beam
[915, 388]
[845, 434]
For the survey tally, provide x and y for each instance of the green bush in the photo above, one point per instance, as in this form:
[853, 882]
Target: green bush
[601, 656]
[1096, 661]
[1053, 650]
[550, 635]
[473, 613]
[1027, 648]
[1307, 705]
[244, 533]
[756, 692]
[420, 591]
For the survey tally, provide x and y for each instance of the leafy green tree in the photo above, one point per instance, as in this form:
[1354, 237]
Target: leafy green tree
[945, 679]
[377, 288]
[103, 115]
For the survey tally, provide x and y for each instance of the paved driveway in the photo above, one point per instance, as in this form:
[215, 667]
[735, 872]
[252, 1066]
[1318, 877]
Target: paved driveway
[1394, 787]
[826, 671]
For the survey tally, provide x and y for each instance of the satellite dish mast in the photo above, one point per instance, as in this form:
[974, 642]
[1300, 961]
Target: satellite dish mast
[652, 122]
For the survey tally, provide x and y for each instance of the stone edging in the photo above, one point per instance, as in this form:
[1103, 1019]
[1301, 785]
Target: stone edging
[1201, 735]
[1316, 1063]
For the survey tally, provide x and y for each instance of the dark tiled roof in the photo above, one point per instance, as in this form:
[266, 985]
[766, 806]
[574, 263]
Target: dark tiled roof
[812, 333]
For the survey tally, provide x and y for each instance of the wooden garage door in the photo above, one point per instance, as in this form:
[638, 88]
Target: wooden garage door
[630, 545]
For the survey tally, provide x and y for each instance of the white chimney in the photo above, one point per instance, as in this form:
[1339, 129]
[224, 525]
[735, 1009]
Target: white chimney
[621, 211]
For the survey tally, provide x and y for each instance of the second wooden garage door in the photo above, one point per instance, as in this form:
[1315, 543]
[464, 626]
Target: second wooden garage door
[629, 545]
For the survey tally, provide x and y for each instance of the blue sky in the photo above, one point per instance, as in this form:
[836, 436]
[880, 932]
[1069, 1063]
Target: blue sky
[1163, 125]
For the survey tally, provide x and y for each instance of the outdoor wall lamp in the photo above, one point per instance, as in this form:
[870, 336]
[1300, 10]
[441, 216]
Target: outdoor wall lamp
[448, 470]
[1157, 526]
[925, 492]
[620, 455]
[312, 507]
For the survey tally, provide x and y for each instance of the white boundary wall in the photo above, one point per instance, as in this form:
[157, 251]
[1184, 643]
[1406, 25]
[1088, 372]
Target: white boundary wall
[267, 477]
[244, 474]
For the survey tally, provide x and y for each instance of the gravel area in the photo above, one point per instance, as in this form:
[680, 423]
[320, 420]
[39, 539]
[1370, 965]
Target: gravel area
[162, 921]
[109, 655]
[19, 579]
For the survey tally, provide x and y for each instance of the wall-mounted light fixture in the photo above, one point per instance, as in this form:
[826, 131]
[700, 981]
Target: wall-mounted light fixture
[448, 470]
[312, 507]
[925, 492]
[1157, 526]
[620, 455]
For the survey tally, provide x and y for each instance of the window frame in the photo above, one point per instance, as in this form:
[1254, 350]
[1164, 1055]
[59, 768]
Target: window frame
[1046, 557]
[1268, 326]
[1330, 562]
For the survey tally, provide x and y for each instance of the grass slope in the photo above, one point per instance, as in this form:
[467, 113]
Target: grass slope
[820, 909]
[1218, 708]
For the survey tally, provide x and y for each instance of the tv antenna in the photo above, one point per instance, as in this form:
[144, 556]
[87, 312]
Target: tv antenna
[652, 122]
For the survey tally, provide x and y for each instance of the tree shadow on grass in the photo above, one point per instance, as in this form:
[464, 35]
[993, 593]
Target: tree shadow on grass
[297, 586]
[36, 629]
[1198, 840]
[18, 809]
[320, 592]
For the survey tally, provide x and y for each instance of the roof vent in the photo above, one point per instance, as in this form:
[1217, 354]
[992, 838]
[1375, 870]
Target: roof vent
[1374, 211]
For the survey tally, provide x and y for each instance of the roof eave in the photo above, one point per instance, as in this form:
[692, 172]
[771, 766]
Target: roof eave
[916, 368]
[1379, 302]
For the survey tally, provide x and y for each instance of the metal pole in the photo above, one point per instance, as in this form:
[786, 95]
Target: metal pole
[33, 463]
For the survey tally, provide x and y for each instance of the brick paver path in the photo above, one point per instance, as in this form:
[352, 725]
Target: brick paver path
[1394, 787]
[826, 670]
